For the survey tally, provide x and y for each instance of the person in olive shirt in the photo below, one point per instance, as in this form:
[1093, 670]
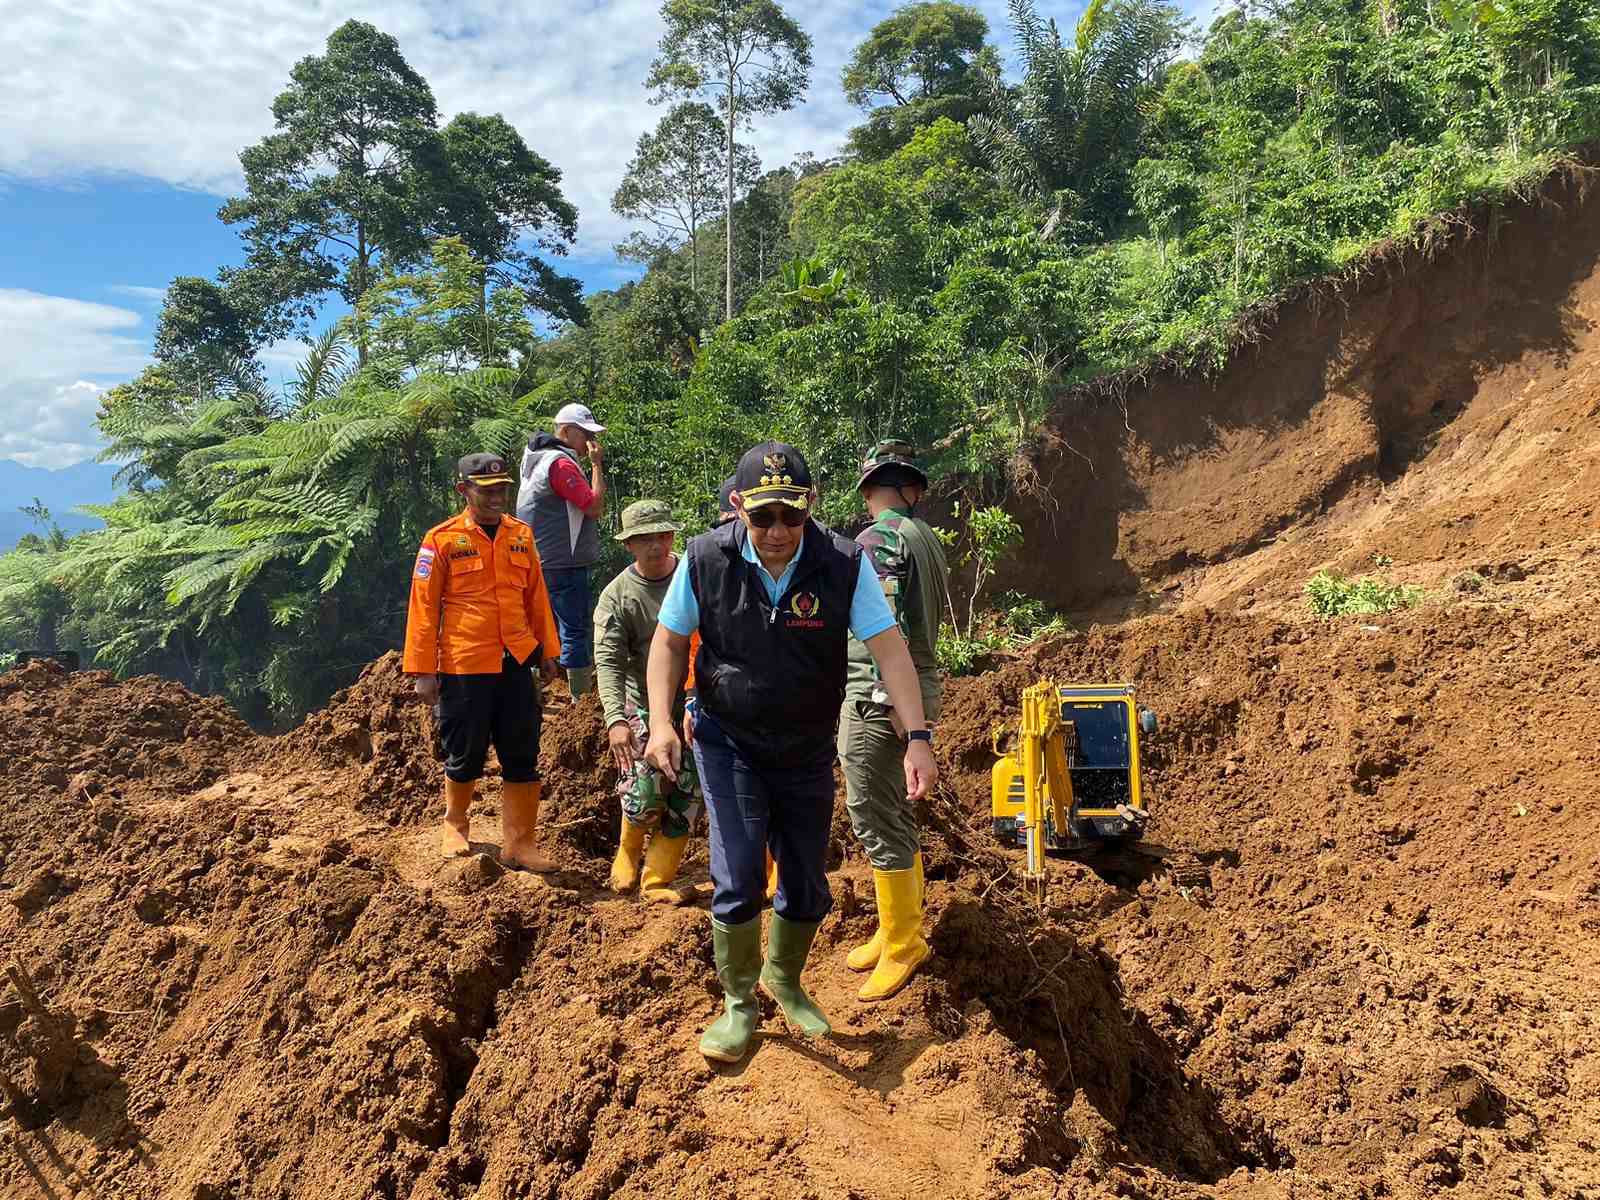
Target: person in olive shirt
[910, 562]
[624, 624]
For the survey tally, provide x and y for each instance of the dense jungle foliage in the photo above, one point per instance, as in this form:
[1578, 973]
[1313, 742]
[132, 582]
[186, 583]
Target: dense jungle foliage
[998, 230]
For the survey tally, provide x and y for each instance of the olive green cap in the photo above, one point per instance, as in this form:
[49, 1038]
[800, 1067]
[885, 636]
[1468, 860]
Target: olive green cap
[646, 516]
[890, 452]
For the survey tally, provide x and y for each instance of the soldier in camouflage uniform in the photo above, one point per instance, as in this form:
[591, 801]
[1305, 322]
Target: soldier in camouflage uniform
[911, 565]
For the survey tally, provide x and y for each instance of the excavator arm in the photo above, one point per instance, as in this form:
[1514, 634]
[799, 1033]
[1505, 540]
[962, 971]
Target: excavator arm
[1047, 784]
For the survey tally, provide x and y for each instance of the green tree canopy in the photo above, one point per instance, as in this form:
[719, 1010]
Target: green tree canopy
[328, 193]
[915, 66]
[1068, 134]
[207, 328]
[486, 187]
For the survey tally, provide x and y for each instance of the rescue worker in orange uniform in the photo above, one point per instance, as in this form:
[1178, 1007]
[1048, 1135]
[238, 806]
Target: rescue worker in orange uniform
[479, 626]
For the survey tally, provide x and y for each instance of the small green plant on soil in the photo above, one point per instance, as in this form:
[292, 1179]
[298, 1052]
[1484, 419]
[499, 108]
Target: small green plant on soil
[960, 655]
[1013, 622]
[1027, 618]
[991, 533]
[1330, 594]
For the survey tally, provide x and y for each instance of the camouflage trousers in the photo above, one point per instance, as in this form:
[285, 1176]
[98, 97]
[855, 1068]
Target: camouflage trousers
[648, 799]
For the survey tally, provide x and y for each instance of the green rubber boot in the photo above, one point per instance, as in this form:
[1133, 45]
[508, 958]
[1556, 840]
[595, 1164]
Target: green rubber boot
[738, 953]
[788, 945]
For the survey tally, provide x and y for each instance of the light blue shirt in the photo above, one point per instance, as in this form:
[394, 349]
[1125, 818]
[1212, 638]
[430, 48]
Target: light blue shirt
[869, 610]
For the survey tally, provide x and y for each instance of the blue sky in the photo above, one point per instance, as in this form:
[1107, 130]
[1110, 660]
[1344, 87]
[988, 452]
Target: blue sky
[123, 123]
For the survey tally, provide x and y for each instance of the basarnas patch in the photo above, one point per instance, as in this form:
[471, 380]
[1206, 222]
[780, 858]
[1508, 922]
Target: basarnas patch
[424, 563]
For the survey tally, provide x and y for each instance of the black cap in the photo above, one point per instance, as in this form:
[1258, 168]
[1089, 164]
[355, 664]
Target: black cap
[725, 496]
[773, 473]
[485, 470]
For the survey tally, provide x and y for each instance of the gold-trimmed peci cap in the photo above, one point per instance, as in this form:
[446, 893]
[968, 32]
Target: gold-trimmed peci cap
[773, 473]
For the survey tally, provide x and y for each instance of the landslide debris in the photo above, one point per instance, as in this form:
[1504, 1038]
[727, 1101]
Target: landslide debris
[259, 981]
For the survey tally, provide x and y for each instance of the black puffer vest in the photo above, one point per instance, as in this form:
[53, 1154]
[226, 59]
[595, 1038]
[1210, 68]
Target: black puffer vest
[773, 676]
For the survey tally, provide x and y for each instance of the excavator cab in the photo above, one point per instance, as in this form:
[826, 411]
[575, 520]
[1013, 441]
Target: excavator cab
[1096, 769]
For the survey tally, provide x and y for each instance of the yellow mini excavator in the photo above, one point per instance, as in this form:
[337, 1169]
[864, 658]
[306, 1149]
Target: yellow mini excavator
[1070, 781]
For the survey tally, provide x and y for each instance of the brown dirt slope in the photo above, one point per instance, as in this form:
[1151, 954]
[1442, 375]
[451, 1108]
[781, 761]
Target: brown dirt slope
[257, 981]
[1437, 408]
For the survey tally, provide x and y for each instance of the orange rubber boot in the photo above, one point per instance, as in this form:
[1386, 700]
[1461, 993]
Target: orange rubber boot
[453, 833]
[519, 826]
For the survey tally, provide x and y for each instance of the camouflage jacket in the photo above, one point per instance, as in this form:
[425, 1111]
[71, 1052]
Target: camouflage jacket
[910, 562]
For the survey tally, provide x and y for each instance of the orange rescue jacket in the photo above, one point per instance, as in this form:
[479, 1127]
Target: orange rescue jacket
[473, 597]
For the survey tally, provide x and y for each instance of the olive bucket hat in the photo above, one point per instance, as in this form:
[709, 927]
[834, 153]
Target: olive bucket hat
[647, 516]
[891, 452]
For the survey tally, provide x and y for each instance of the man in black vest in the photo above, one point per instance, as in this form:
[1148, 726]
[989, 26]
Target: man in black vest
[775, 600]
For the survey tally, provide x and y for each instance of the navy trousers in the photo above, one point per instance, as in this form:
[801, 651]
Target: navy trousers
[751, 808]
[568, 589]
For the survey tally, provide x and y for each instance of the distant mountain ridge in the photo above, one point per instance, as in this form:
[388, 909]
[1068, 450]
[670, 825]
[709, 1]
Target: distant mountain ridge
[61, 491]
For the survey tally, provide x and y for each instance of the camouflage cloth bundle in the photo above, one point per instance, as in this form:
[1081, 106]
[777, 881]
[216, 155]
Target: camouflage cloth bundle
[648, 799]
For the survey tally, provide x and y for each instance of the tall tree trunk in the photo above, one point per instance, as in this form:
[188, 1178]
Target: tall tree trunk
[694, 250]
[731, 117]
[483, 312]
[361, 290]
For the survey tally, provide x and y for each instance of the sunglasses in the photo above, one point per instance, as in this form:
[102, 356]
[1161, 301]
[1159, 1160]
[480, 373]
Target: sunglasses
[766, 518]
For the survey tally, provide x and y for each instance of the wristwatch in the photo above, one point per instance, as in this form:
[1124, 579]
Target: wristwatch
[920, 735]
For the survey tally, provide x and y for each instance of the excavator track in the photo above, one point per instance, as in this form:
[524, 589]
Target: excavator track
[1184, 869]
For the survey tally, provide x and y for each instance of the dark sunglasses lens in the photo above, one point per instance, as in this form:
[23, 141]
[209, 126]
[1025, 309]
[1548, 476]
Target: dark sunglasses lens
[765, 518]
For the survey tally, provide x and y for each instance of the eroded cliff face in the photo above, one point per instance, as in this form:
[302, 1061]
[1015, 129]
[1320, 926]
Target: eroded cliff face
[1422, 381]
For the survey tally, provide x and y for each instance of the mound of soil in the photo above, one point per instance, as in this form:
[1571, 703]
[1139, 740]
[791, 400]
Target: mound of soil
[1435, 407]
[1405, 919]
[66, 726]
[377, 738]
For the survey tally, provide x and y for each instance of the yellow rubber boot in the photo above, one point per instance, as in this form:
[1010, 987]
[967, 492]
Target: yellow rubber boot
[661, 863]
[865, 956]
[453, 833]
[630, 853]
[900, 919]
[519, 828]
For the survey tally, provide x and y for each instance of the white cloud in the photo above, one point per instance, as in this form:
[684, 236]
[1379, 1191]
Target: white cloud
[147, 295]
[56, 356]
[172, 90]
